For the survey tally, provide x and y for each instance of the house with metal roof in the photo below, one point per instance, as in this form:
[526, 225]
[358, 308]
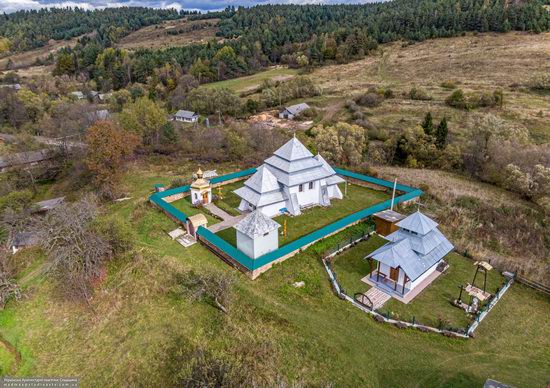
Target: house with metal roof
[288, 181]
[411, 256]
[185, 116]
[290, 112]
[257, 234]
[78, 95]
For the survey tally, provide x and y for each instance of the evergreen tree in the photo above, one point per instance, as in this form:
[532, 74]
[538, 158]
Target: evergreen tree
[441, 134]
[428, 124]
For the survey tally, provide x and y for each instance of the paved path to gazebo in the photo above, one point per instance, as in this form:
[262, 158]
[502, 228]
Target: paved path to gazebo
[227, 219]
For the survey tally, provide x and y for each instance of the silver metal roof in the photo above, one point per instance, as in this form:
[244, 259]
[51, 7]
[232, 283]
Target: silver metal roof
[258, 199]
[262, 181]
[291, 165]
[414, 253]
[293, 150]
[256, 224]
[389, 215]
[418, 223]
[295, 109]
[186, 114]
[49, 204]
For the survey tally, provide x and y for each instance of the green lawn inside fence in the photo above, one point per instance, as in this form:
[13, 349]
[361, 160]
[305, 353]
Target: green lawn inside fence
[357, 198]
[434, 303]
[229, 201]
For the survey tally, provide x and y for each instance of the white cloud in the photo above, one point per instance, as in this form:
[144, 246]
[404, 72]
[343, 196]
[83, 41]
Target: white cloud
[8, 6]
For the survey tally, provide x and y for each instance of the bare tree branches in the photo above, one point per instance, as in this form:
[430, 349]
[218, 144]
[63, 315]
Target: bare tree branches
[76, 251]
[214, 287]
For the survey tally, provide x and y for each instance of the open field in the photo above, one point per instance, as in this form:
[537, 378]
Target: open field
[171, 33]
[312, 337]
[475, 63]
[250, 83]
[358, 198]
[28, 58]
[433, 304]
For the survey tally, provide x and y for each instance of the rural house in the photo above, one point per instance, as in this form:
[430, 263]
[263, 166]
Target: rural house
[412, 254]
[290, 112]
[291, 179]
[186, 116]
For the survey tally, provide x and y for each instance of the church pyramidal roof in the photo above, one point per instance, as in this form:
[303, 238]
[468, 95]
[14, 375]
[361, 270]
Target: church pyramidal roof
[256, 224]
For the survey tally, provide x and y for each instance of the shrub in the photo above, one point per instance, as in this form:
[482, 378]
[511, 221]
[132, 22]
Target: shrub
[457, 100]
[369, 100]
[540, 82]
[419, 94]
[448, 85]
[16, 200]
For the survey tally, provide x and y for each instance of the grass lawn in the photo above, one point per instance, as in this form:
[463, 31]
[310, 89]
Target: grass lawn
[312, 338]
[230, 201]
[252, 81]
[185, 206]
[434, 303]
[358, 198]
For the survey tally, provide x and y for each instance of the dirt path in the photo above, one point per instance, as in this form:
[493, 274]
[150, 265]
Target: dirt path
[16, 354]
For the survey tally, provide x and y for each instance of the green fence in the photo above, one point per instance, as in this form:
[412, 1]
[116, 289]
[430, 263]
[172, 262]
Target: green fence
[252, 264]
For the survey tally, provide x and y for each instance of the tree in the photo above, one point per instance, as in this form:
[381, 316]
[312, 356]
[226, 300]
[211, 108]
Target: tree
[428, 125]
[76, 252]
[341, 143]
[441, 134]
[108, 147]
[145, 118]
[9, 289]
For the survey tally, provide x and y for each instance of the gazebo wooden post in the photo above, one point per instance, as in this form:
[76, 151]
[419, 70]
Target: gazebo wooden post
[370, 266]
[396, 280]
[378, 272]
[404, 281]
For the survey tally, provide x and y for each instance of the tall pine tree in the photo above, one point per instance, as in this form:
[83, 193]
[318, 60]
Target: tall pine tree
[441, 134]
[428, 124]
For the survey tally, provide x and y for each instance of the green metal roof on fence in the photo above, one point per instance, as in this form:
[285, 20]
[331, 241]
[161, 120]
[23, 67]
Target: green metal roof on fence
[251, 264]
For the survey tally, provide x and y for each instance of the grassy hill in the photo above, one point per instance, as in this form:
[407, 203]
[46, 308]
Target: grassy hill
[474, 63]
[170, 34]
[139, 331]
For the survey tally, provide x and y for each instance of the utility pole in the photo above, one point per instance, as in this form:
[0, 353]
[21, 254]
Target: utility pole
[393, 194]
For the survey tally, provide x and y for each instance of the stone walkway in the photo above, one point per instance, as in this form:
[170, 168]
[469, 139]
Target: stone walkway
[227, 219]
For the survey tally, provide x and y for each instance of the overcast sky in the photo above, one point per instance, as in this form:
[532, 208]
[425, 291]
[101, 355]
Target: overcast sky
[205, 5]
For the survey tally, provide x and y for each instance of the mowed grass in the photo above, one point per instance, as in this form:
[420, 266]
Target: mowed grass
[318, 340]
[251, 82]
[434, 303]
[358, 198]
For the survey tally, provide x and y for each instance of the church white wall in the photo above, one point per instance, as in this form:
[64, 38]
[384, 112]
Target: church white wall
[424, 275]
[245, 244]
[307, 197]
[259, 246]
[196, 196]
[335, 192]
[273, 209]
[266, 244]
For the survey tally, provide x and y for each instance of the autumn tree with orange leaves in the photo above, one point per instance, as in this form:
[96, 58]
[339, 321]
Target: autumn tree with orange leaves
[109, 146]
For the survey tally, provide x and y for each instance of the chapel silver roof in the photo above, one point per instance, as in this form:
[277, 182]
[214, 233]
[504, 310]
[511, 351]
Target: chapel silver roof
[418, 222]
[414, 253]
[256, 224]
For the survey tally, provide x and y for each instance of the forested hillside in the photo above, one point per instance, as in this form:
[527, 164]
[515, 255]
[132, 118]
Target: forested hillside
[25, 30]
[302, 36]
